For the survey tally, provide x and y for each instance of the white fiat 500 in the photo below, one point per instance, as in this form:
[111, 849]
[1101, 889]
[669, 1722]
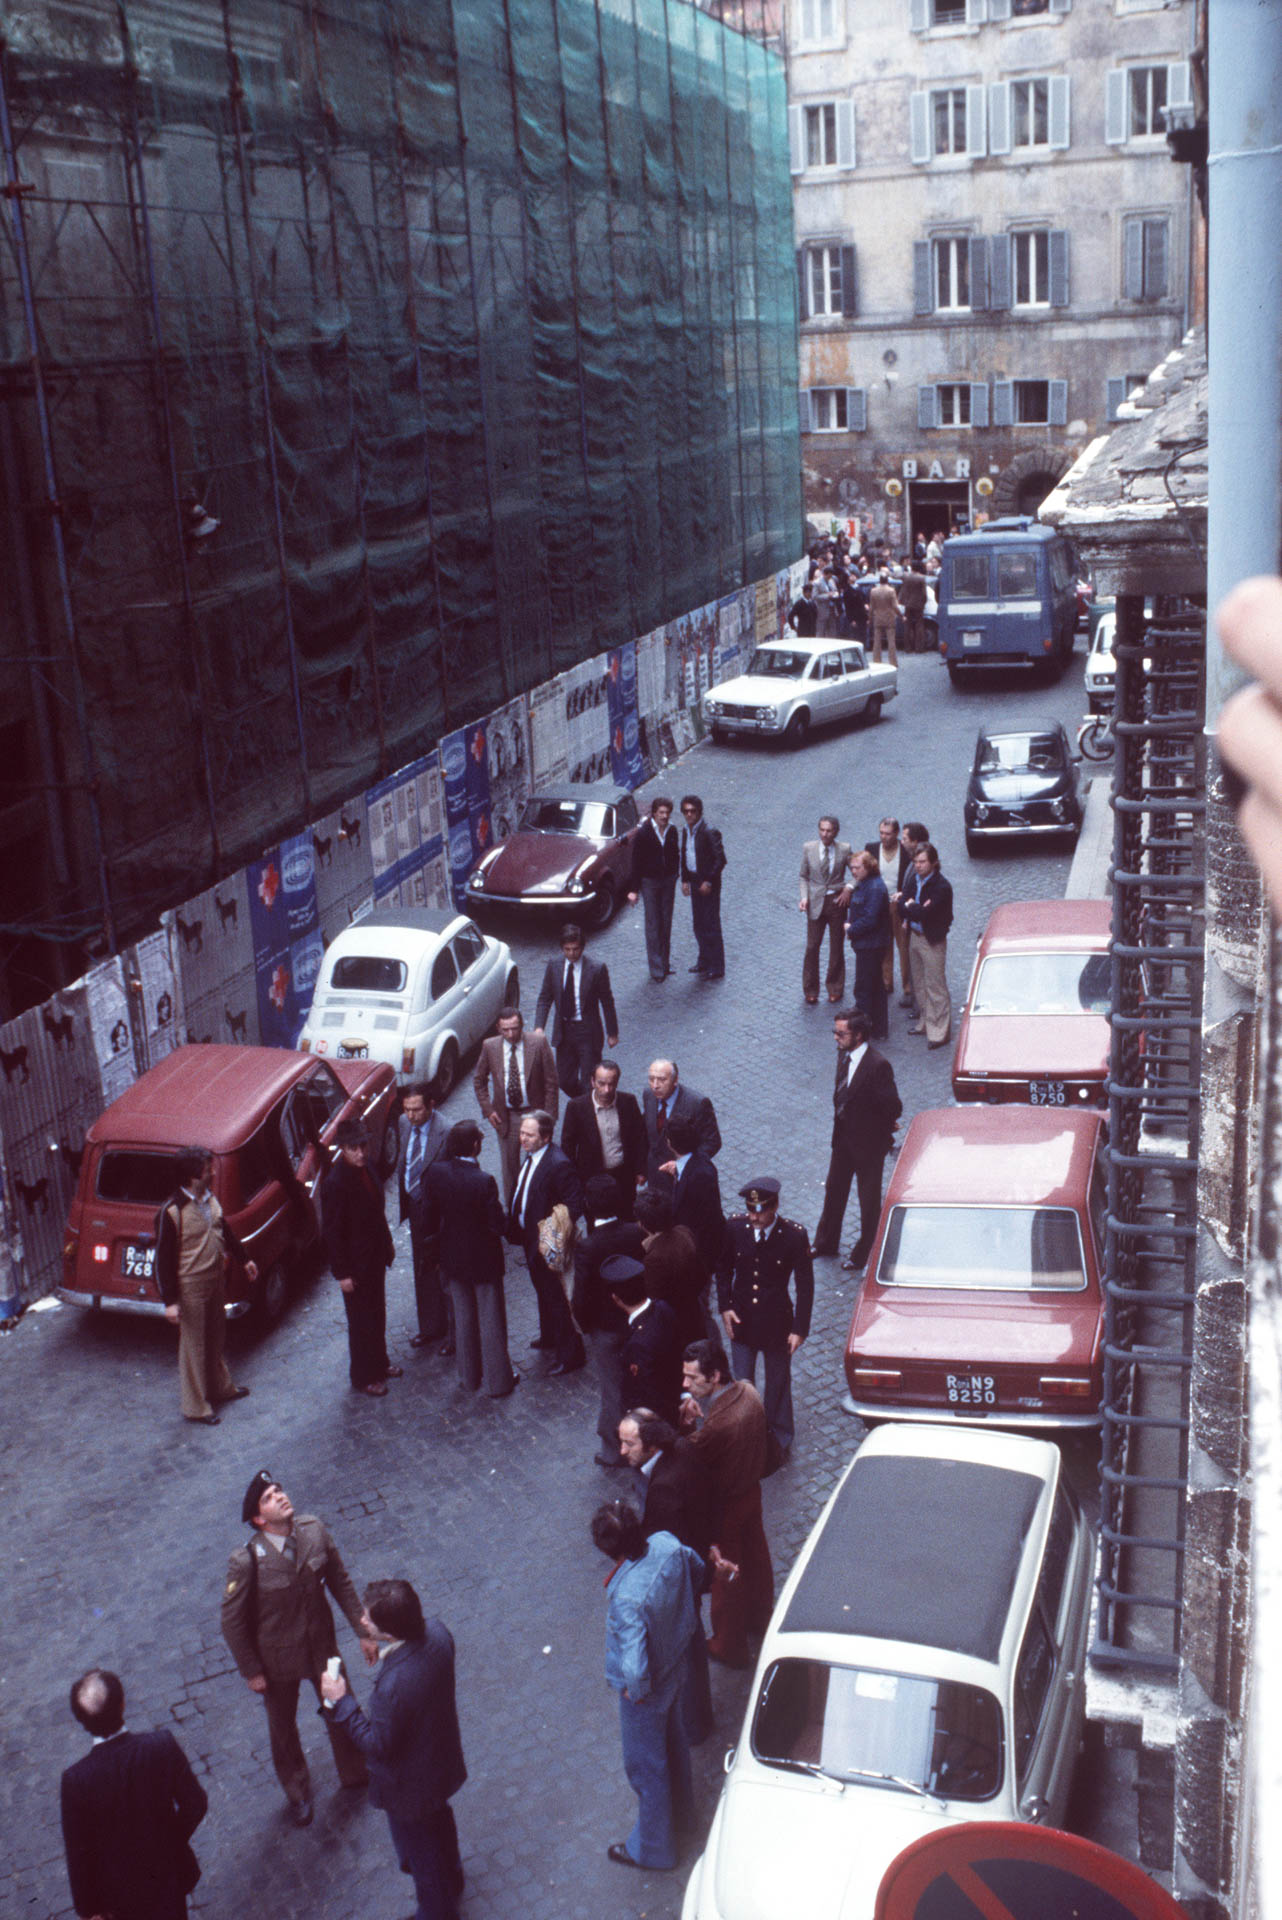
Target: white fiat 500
[794, 685]
[924, 1666]
[414, 986]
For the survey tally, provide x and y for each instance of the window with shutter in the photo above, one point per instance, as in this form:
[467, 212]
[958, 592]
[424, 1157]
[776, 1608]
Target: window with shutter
[820, 23]
[803, 410]
[1146, 98]
[1031, 401]
[952, 274]
[976, 122]
[1030, 103]
[978, 249]
[952, 404]
[829, 409]
[923, 301]
[999, 272]
[803, 286]
[1156, 249]
[857, 409]
[1030, 259]
[919, 128]
[1003, 403]
[927, 407]
[979, 403]
[796, 140]
[1115, 105]
[999, 117]
[1059, 267]
[1146, 246]
[948, 120]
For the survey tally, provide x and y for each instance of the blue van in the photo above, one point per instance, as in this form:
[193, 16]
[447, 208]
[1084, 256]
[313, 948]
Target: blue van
[1008, 598]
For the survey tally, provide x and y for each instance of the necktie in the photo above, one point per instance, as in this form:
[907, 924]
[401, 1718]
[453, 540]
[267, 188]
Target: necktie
[663, 1115]
[518, 1201]
[413, 1157]
[568, 1007]
[290, 1550]
[514, 1099]
[827, 865]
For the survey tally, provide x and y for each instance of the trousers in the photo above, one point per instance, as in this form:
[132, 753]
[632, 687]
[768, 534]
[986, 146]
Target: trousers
[846, 1167]
[281, 1702]
[705, 913]
[930, 984]
[657, 897]
[832, 920]
[743, 1605]
[777, 1394]
[203, 1378]
[480, 1336]
[366, 1309]
[428, 1850]
[656, 1760]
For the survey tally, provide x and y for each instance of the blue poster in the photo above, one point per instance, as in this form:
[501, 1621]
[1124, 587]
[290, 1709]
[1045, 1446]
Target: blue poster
[627, 760]
[285, 919]
[465, 771]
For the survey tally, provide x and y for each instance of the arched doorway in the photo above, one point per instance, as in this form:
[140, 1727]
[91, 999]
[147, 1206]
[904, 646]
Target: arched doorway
[1024, 484]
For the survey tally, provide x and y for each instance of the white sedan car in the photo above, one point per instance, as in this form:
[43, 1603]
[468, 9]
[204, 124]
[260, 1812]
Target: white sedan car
[924, 1666]
[414, 986]
[793, 685]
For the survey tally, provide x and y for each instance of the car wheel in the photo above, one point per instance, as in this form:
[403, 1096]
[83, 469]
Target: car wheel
[273, 1295]
[719, 736]
[512, 989]
[797, 729]
[872, 709]
[604, 903]
[446, 1072]
[390, 1151]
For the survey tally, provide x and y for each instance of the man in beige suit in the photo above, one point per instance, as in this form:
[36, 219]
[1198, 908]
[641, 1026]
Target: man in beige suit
[883, 611]
[515, 1074]
[193, 1245]
[825, 890]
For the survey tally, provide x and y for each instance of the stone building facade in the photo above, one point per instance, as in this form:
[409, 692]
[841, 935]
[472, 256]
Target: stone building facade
[993, 245]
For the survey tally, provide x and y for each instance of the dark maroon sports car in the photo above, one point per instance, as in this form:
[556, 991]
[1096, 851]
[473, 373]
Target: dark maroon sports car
[572, 850]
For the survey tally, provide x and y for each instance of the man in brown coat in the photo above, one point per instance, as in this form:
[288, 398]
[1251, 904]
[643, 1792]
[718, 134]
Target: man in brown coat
[727, 1424]
[883, 611]
[193, 1245]
[277, 1622]
[912, 598]
[515, 1074]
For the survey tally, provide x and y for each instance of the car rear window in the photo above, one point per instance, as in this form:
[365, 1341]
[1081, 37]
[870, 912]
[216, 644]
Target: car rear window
[1016, 575]
[368, 973]
[990, 1249]
[900, 1730]
[1043, 983]
[1013, 752]
[970, 576]
[138, 1178]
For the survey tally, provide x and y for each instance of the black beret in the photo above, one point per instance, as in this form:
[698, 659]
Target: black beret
[254, 1493]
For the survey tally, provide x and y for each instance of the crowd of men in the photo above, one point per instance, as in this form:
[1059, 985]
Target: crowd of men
[636, 1267]
[869, 595]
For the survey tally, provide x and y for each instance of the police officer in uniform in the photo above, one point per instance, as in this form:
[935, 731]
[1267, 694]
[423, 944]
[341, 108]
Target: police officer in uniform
[762, 1254]
[277, 1622]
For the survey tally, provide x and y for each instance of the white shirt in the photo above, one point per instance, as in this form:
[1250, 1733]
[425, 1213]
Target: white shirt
[525, 1178]
[575, 977]
[889, 864]
[856, 1055]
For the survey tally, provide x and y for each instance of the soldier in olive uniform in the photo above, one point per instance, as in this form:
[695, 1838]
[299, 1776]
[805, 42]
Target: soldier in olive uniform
[762, 1254]
[277, 1622]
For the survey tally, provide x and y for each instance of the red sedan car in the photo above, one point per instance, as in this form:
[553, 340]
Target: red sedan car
[268, 1117]
[1035, 1024]
[982, 1298]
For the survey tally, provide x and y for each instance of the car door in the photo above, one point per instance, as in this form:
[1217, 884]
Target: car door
[445, 1005]
[830, 697]
[1048, 1678]
[479, 987]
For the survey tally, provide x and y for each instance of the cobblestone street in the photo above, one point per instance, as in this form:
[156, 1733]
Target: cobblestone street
[121, 1517]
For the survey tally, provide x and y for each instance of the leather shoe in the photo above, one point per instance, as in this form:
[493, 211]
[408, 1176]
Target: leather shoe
[448, 1349]
[696, 968]
[834, 998]
[202, 1419]
[542, 1343]
[854, 1261]
[569, 1366]
[300, 1812]
[394, 1373]
[906, 1000]
[915, 1026]
[237, 1393]
[824, 1252]
[618, 1852]
[812, 999]
[377, 1390]
[932, 1044]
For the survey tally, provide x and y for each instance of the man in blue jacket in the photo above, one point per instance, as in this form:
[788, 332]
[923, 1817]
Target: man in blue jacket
[652, 1621]
[868, 931]
[410, 1740]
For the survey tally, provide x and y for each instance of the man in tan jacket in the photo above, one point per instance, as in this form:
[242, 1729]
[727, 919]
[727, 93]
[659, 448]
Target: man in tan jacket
[515, 1074]
[193, 1241]
[883, 611]
[277, 1622]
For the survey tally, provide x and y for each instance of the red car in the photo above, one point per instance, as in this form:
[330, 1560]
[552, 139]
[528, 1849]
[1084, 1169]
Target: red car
[982, 1300]
[266, 1115]
[572, 851]
[1035, 1024]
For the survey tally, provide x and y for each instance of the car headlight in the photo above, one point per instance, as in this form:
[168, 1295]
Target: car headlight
[712, 706]
[770, 715]
[477, 880]
[1059, 806]
[981, 813]
[577, 886]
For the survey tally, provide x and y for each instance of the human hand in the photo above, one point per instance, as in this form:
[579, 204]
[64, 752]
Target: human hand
[727, 1569]
[705, 886]
[669, 1167]
[687, 1414]
[731, 1321]
[611, 1039]
[632, 899]
[251, 1271]
[794, 1341]
[171, 1314]
[258, 1684]
[347, 1286]
[1250, 732]
[370, 1649]
[496, 1122]
[332, 1691]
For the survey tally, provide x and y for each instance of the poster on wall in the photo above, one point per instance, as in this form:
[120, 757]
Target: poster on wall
[50, 1093]
[549, 736]
[343, 866]
[507, 738]
[405, 815]
[766, 624]
[212, 945]
[158, 995]
[108, 1001]
[469, 829]
[651, 656]
[587, 719]
[627, 757]
[287, 942]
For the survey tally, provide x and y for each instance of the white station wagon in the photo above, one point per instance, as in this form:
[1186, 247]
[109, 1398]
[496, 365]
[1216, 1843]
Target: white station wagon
[794, 685]
[414, 986]
[925, 1666]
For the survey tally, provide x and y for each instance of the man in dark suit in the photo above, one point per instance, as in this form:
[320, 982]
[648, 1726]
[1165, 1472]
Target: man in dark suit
[576, 990]
[422, 1141]
[673, 1269]
[458, 1205]
[667, 1099]
[359, 1249]
[410, 1739]
[926, 908]
[655, 859]
[866, 1106]
[763, 1252]
[651, 1357]
[601, 1322]
[603, 1132]
[546, 1180]
[515, 1074]
[703, 860]
[129, 1809]
[678, 1492]
[696, 1192]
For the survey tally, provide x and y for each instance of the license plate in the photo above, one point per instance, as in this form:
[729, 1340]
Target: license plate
[972, 639]
[1047, 1093]
[353, 1049]
[137, 1262]
[970, 1389]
